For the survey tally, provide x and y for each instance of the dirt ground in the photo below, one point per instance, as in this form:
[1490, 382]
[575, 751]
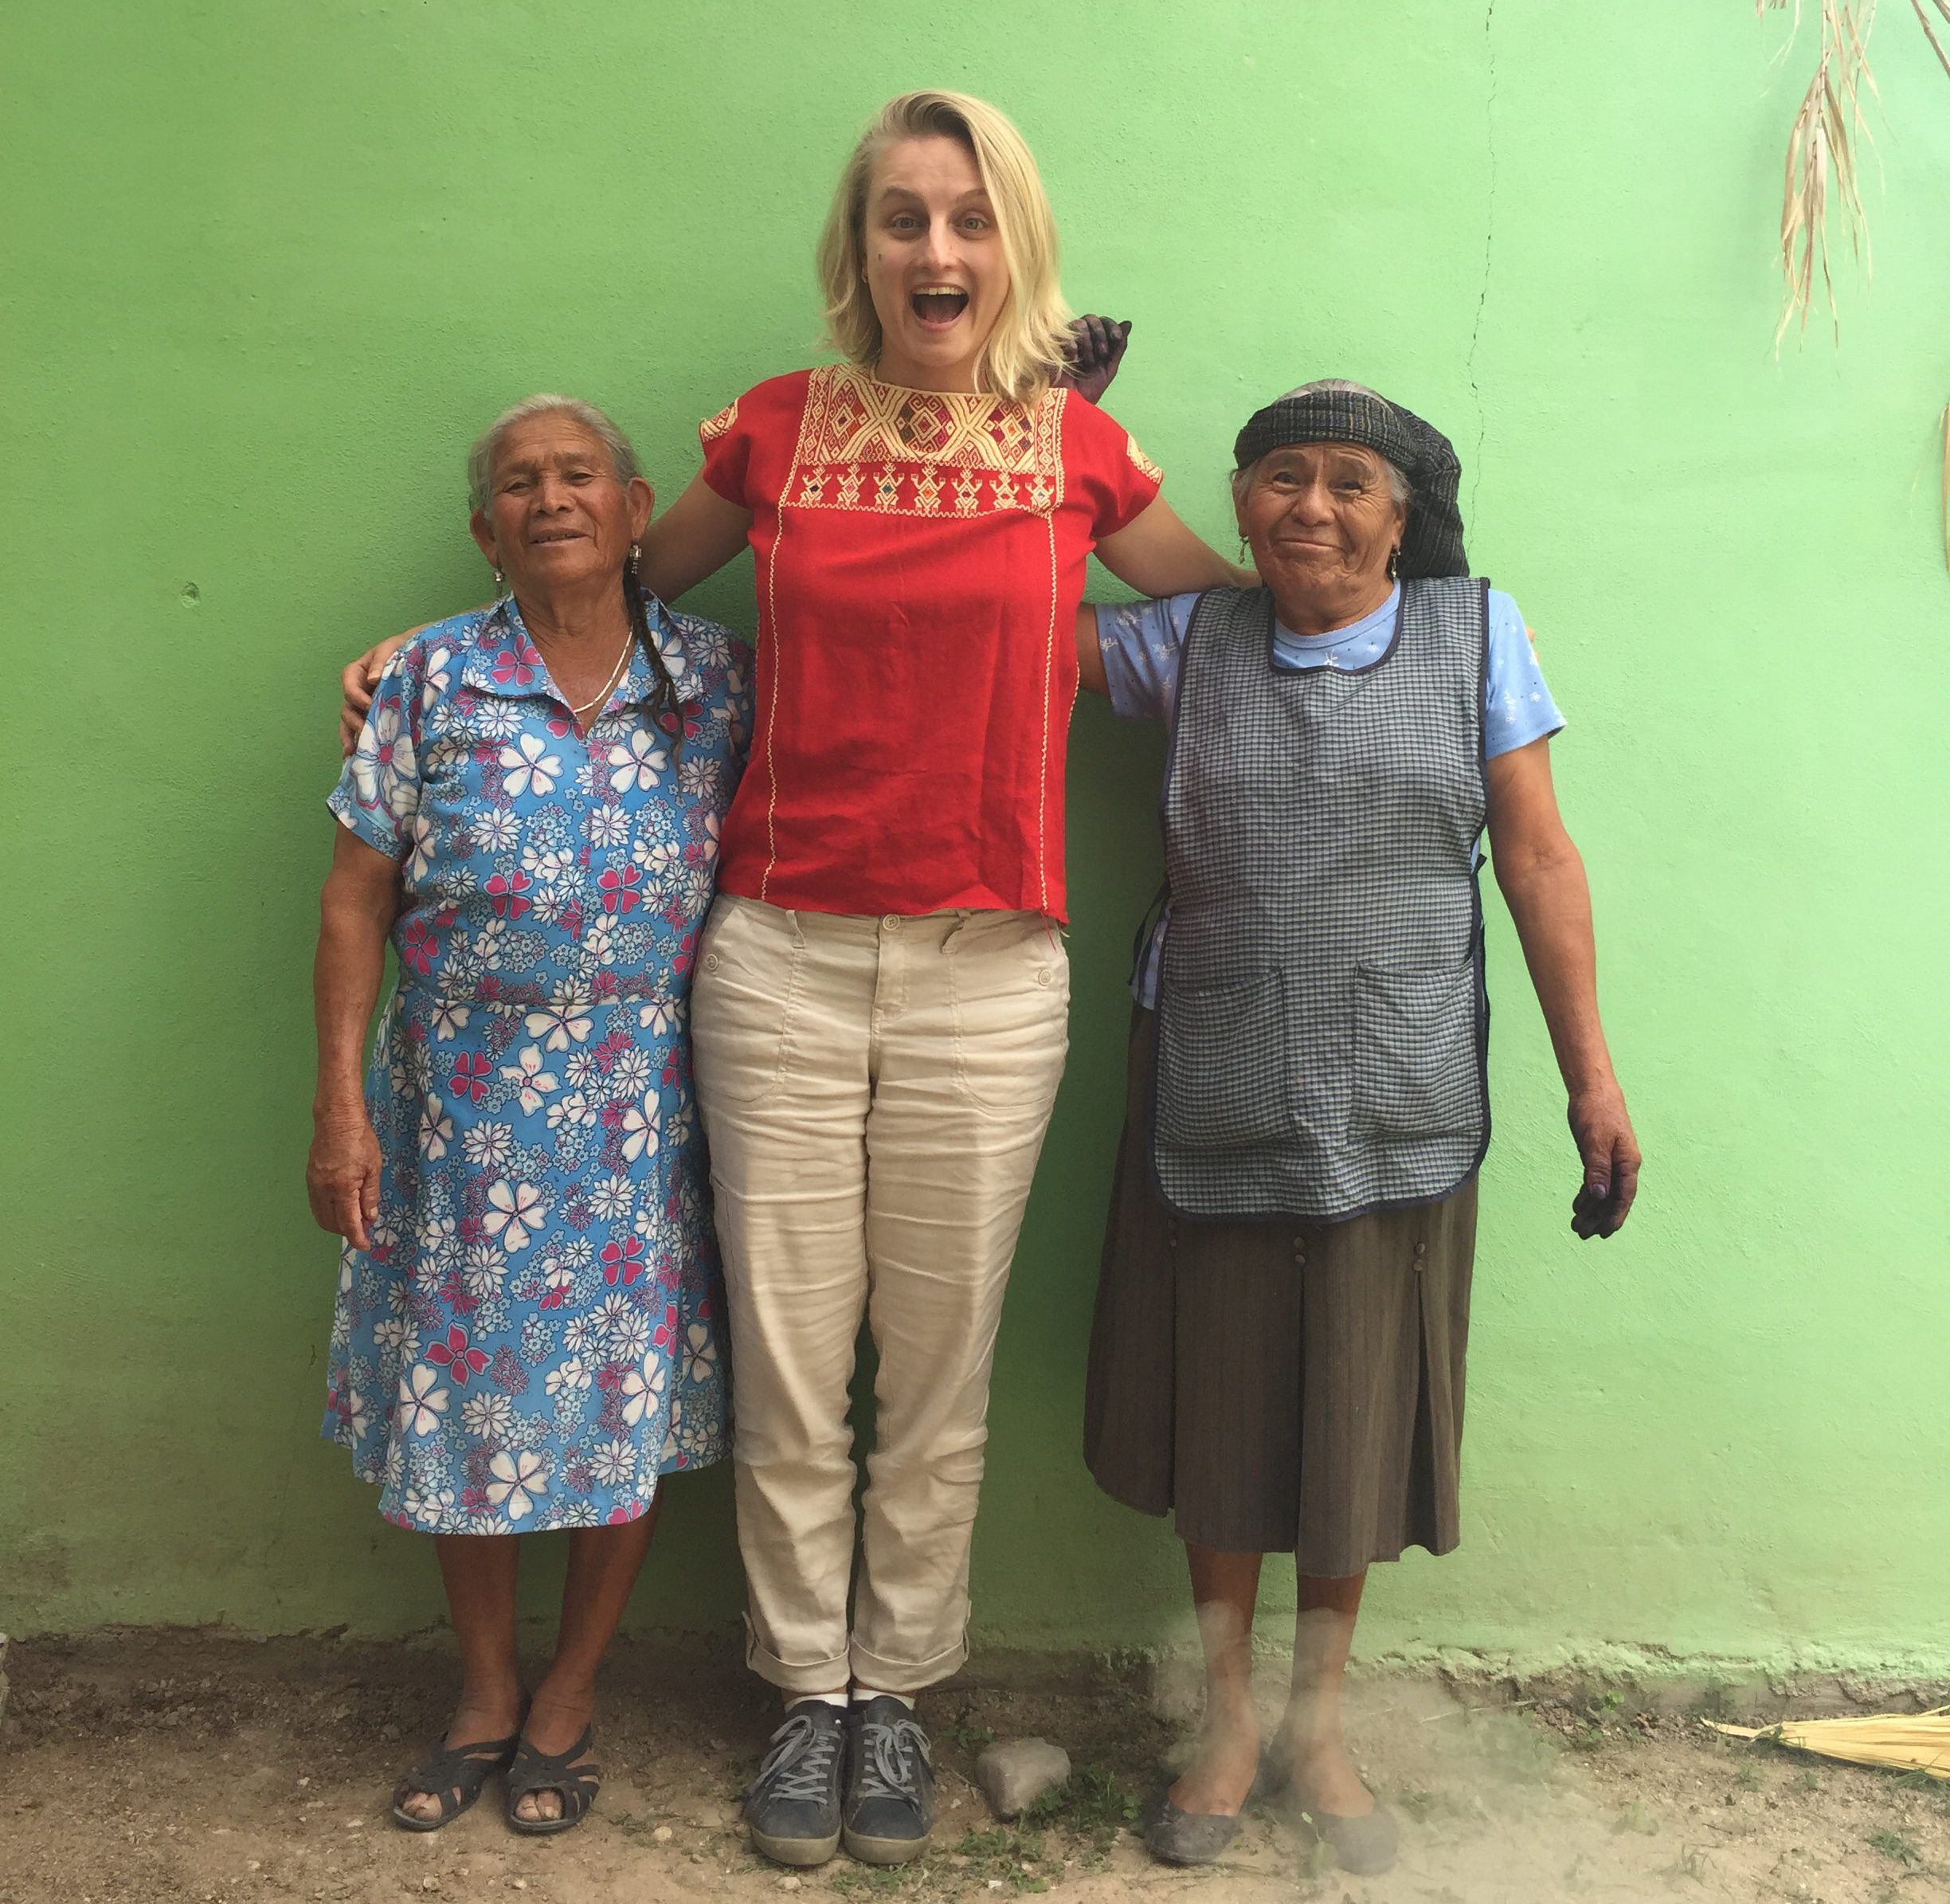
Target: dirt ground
[198, 1767]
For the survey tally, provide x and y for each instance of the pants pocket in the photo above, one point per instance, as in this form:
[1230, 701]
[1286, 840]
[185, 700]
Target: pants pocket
[744, 1001]
[1011, 979]
[1416, 1071]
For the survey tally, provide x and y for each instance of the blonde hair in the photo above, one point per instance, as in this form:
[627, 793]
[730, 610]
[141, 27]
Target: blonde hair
[1023, 353]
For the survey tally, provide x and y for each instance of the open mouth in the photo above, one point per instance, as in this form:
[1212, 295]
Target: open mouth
[938, 305]
[554, 535]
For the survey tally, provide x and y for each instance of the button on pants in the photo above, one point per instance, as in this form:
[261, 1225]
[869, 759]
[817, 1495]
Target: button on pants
[875, 1091]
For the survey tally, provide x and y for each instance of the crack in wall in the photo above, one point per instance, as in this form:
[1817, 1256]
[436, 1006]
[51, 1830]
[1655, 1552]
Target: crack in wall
[1482, 296]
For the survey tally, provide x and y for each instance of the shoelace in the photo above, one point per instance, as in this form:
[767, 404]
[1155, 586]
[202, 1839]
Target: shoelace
[800, 1764]
[890, 1747]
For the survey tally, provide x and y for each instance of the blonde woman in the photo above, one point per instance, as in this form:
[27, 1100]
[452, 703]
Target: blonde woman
[881, 996]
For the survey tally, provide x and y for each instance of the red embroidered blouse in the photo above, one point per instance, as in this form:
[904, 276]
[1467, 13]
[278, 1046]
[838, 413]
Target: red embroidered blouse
[920, 563]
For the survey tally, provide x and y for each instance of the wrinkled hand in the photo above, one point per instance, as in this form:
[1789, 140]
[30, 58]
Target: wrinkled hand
[1096, 349]
[356, 682]
[1604, 1135]
[342, 1175]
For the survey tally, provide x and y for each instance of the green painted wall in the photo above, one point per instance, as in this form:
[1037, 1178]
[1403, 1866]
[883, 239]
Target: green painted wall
[269, 268]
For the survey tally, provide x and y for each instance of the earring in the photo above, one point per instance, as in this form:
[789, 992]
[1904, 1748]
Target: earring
[636, 554]
[1241, 552]
[1394, 571]
[500, 583]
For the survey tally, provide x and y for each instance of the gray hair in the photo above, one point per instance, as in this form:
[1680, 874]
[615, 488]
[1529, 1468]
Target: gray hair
[1400, 489]
[480, 463]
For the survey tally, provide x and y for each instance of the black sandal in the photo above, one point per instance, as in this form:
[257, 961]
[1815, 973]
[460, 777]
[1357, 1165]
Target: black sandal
[1176, 1837]
[453, 1775]
[533, 1771]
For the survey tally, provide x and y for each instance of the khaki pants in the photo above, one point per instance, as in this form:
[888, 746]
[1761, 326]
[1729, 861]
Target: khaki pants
[875, 1091]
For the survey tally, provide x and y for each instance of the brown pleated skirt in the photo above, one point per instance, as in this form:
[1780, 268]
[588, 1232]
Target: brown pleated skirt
[1279, 1389]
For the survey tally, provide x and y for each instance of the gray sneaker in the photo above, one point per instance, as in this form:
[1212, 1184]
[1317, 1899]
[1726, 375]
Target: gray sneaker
[792, 1808]
[890, 1802]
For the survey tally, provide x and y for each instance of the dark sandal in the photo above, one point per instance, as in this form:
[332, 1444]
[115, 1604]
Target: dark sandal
[453, 1775]
[1176, 1837]
[533, 1771]
[1365, 1843]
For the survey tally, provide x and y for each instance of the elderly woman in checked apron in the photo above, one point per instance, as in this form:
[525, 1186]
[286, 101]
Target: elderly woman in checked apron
[1278, 1352]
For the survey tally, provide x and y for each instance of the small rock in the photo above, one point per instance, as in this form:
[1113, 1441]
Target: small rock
[390, 1734]
[429, 1884]
[1014, 1773]
[789, 1884]
[663, 1834]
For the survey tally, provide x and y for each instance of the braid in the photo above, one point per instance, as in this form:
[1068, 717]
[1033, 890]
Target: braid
[666, 709]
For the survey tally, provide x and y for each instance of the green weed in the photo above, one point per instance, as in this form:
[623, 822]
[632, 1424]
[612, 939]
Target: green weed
[874, 1881]
[1892, 1844]
[1092, 1804]
[1715, 1701]
[1000, 1854]
[1314, 1860]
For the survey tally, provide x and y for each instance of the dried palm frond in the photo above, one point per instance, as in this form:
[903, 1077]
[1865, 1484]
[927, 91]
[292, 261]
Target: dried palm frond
[1922, 14]
[1821, 156]
[1914, 1741]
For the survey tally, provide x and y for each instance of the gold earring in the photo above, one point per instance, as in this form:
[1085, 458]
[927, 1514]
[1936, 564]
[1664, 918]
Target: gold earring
[1394, 571]
[500, 583]
[1241, 552]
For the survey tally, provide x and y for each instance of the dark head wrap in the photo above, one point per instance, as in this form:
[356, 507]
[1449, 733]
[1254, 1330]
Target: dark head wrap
[1345, 413]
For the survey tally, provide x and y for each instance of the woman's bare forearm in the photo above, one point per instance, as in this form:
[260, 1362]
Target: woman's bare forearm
[1549, 901]
[355, 913]
[1158, 554]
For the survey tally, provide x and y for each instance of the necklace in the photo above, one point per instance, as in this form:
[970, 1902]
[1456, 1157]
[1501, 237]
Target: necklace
[609, 687]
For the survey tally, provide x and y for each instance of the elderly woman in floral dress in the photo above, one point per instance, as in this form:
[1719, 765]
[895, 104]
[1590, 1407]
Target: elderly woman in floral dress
[525, 1331]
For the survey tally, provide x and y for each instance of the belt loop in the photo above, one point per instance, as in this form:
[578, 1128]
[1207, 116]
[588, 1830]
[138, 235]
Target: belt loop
[962, 917]
[798, 931]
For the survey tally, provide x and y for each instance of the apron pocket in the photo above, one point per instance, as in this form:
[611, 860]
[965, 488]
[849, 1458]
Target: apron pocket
[1416, 1073]
[1222, 1055]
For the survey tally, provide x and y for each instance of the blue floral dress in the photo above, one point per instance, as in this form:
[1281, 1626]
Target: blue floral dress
[532, 1339]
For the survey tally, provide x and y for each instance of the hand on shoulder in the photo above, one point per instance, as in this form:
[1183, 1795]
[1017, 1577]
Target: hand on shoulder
[357, 680]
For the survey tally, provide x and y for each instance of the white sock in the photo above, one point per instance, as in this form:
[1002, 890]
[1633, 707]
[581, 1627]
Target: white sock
[863, 1693]
[825, 1698]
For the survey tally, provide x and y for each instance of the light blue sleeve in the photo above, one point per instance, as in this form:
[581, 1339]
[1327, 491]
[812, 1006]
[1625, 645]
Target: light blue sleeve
[1142, 642]
[379, 790]
[1517, 707]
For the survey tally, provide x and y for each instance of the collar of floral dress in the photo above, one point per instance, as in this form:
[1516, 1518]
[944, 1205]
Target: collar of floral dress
[500, 658]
